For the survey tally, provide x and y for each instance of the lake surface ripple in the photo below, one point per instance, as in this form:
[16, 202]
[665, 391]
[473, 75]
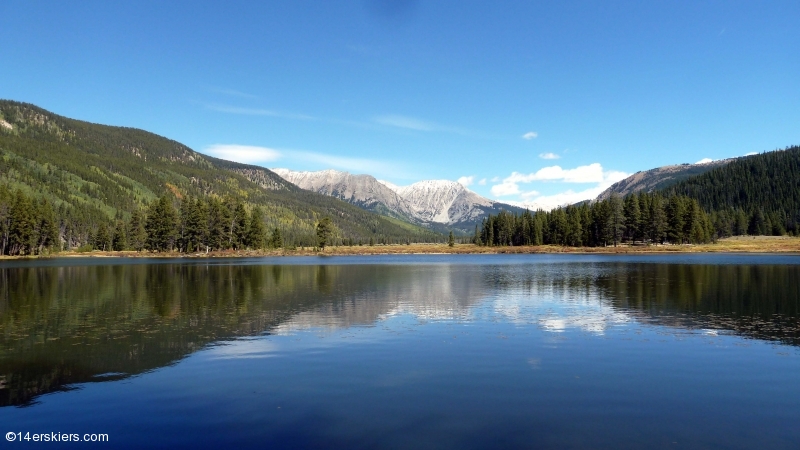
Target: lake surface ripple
[481, 351]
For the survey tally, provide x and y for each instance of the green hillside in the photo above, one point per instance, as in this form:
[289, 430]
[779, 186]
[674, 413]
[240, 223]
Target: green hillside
[96, 176]
[758, 194]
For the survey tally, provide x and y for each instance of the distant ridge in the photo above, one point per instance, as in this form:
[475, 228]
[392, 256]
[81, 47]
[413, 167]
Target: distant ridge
[659, 178]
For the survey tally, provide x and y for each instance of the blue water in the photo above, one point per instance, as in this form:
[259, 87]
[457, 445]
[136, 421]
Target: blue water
[486, 351]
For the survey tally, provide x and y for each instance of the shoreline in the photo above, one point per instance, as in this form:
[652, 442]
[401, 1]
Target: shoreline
[739, 244]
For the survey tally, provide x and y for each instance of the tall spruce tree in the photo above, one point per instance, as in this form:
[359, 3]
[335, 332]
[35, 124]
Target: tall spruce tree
[324, 232]
[256, 231]
[161, 225]
[137, 235]
[119, 241]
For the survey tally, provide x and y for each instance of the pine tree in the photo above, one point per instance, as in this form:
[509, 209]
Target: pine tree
[324, 232]
[633, 217]
[616, 218]
[161, 225]
[276, 240]
[218, 215]
[451, 240]
[240, 226]
[22, 225]
[119, 241]
[46, 229]
[256, 232]
[102, 239]
[676, 215]
[137, 235]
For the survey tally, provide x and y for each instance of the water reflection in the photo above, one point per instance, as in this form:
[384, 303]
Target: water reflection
[72, 324]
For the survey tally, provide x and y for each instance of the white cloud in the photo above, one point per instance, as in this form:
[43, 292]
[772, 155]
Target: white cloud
[751, 154]
[504, 189]
[704, 160]
[495, 179]
[245, 154]
[530, 135]
[548, 155]
[592, 173]
[466, 181]
[568, 197]
[482, 182]
[405, 122]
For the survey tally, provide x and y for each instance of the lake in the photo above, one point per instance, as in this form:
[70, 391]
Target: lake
[438, 351]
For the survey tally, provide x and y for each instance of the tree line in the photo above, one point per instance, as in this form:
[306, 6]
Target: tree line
[642, 218]
[31, 226]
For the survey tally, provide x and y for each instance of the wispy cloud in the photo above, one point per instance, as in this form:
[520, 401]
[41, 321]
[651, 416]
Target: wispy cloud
[549, 155]
[530, 135]
[228, 92]
[410, 123]
[354, 165]
[415, 124]
[249, 154]
[466, 181]
[257, 112]
[482, 182]
[245, 154]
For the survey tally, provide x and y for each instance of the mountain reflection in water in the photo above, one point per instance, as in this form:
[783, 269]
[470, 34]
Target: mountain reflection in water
[74, 323]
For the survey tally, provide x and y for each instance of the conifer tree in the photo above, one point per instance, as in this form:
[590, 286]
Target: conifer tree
[119, 241]
[240, 227]
[324, 231]
[46, 229]
[102, 239]
[256, 231]
[633, 217]
[276, 240]
[451, 240]
[22, 225]
[137, 235]
[161, 225]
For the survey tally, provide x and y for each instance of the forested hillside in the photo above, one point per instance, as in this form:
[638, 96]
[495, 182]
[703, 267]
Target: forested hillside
[86, 178]
[760, 193]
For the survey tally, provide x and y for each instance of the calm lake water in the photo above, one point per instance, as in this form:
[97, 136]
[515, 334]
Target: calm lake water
[484, 351]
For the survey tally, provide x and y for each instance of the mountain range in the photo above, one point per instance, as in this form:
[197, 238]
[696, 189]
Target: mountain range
[93, 173]
[439, 204]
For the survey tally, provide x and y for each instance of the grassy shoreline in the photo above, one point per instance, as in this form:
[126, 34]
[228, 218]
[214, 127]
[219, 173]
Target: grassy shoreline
[741, 244]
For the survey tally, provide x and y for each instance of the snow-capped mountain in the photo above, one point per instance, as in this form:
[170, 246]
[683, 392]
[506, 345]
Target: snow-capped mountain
[430, 202]
[443, 201]
[361, 190]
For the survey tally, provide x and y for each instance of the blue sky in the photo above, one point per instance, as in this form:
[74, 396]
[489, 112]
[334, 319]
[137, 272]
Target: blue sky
[527, 102]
